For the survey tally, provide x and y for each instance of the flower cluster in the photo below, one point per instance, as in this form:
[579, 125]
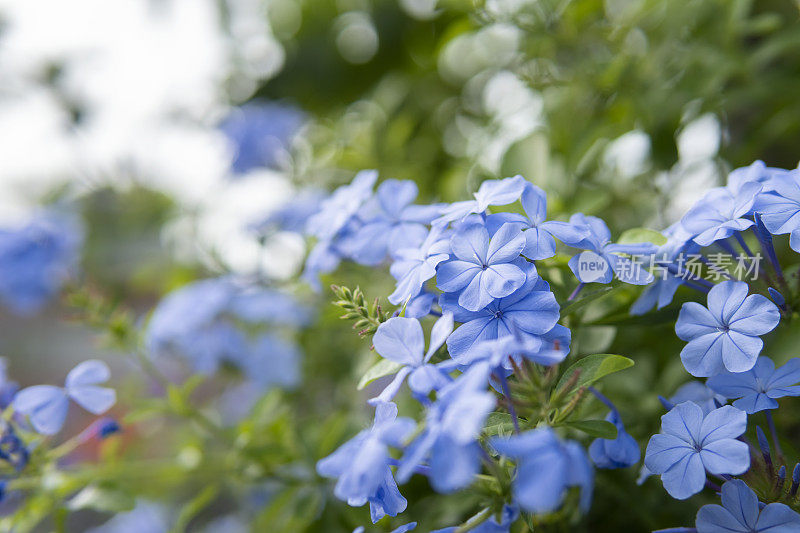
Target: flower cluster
[497, 343]
[496, 335]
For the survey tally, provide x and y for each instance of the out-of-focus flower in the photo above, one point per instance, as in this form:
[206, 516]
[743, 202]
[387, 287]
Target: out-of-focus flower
[261, 133]
[36, 260]
[452, 426]
[758, 388]
[361, 465]
[46, 405]
[698, 393]
[691, 443]
[546, 467]
[200, 323]
[620, 452]
[725, 335]
[390, 223]
[741, 512]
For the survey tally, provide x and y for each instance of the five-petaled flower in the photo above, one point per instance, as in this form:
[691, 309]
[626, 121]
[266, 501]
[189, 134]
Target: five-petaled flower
[546, 467]
[483, 269]
[725, 335]
[691, 443]
[400, 340]
[741, 512]
[758, 388]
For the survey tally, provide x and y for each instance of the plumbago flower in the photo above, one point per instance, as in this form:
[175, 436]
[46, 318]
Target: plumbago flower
[661, 292]
[491, 192]
[546, 467]
[452, 425]
[201, 323]
[698, 393]
[400, 340]
[779, 208]
[532, 311]
[412, 267]
[361, 465]
[390, 223]
[595, 237]
[725, 335]
[741, 512]
[758, 388]
[36, 260]
[721, 213]
[261, 133]
[540, 234]
[620, 452]
[46, 406]
[691, 443]
[484, 268]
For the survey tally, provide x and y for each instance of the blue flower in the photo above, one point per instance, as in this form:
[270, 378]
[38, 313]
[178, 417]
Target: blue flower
[758, 388]
[779, 207]
[546, 467]
[46, 405]
[593, 235]
[200, 322]
[660, 293]
[491, 192]
[12, 449]
[691, 443]
[483, 269]
[337, 210]
[412, 267]
[720, 213]
[261, 133]
[726, 334]
[390, 223]
[508, 516]
[700, 394]
[547, 349]
[361, 465]
[292, 215]
[756, 172]
[36, 260]
[539, 233]
[620, 452]
[400, 340]
[452, 426]
[741, 512]
[532, 310]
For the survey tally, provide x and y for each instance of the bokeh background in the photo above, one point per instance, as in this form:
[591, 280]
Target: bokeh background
[176, 128]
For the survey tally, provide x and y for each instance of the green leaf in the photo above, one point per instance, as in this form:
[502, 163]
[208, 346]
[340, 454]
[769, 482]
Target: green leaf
[592, 368]
[498, 423]
[102, 499]
[577, 305]
[637, 235]
[194, 506]
[384, 367]
[602, 429]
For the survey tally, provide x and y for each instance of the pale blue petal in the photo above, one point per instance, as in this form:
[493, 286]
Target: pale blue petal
[96, 400]
[89, 372]
[400, 340]
[726, 456]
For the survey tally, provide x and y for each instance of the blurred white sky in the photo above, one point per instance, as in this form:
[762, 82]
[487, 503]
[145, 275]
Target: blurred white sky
[150, 80]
